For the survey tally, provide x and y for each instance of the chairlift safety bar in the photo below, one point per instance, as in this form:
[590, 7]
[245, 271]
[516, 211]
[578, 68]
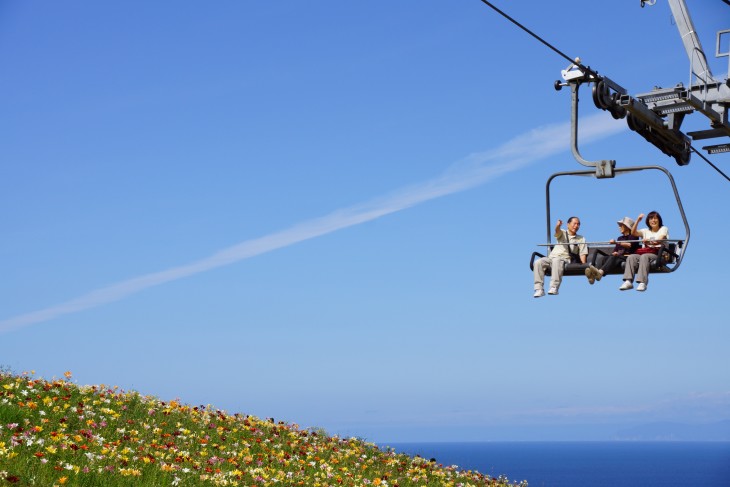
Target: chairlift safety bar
[606, 243]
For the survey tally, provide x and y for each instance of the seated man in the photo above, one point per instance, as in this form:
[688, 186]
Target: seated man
[569, 242]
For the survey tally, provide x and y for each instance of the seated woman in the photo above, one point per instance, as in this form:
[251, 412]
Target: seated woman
[620, 251]
[639, 264]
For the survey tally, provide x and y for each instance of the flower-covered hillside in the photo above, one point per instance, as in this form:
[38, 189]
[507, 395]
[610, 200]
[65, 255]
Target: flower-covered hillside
[55, 433]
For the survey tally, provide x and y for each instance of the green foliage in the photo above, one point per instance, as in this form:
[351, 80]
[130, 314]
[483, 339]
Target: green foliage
[59, 433]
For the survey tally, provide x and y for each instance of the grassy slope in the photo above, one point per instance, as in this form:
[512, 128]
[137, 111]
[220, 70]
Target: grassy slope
[56, 433]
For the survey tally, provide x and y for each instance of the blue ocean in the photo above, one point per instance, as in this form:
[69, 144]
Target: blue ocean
[588, 464]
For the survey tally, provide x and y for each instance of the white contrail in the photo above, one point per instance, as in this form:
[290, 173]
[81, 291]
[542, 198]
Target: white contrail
[474, 170]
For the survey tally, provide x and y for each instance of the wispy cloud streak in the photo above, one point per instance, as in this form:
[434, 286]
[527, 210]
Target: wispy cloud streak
[474, 170]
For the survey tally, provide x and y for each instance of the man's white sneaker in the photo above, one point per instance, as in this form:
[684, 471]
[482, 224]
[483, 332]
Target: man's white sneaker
[626, 285]
[553, 291]
[641, 286]
[538, 293]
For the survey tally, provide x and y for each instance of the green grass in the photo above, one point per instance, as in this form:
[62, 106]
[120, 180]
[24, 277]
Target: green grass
[55, 433]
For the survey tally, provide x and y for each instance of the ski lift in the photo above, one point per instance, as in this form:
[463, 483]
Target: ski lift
[672, 252]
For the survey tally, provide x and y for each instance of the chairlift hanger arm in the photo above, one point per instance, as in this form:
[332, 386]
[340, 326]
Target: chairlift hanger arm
[575, 75]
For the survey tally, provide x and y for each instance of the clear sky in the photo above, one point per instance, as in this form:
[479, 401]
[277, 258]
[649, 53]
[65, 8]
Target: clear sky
[323, 212]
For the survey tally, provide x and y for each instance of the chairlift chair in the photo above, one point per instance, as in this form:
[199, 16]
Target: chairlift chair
[669, 257]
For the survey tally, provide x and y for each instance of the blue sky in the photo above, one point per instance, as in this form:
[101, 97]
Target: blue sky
[324, 213]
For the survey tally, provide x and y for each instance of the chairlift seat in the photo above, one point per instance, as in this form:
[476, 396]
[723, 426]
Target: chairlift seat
[597, 255]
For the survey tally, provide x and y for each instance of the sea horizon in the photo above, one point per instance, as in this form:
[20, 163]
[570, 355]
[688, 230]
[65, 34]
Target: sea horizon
[593, 463]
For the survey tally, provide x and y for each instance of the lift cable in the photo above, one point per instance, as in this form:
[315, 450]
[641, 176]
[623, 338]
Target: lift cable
[588, 70]
[540, 39]
[708, 162]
